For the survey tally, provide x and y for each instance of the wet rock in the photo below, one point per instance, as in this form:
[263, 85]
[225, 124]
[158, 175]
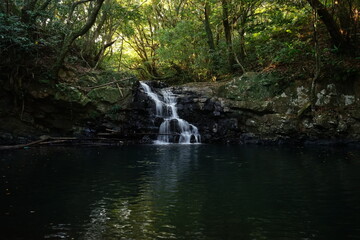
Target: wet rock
[146, 140]
[342, 126]
[249, 138]
[158, 121]
[325, 120]
[348, 99]
[327, 96]
[268, 117]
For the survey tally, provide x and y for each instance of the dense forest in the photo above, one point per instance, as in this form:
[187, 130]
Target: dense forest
[160, 39]
[45, 43]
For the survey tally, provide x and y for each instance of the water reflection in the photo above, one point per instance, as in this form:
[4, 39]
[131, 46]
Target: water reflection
[144, 216]
[181, 192]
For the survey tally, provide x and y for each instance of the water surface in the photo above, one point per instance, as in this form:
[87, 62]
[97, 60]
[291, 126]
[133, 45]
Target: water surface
[180, 192]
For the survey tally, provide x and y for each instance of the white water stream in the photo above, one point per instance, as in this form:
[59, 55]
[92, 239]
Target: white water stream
[172, 125]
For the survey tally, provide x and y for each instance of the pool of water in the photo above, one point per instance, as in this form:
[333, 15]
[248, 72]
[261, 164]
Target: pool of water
[180, 192]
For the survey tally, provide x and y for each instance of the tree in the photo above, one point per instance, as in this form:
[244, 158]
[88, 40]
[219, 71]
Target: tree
[69, 39]
[339, 37]
[243, 12]
[228, 35]
[210, 37]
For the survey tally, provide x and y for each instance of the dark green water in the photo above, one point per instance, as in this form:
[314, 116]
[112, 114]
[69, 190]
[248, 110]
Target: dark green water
[180, 192]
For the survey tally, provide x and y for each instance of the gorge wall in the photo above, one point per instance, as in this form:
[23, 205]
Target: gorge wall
[255, 108]
[260, 109]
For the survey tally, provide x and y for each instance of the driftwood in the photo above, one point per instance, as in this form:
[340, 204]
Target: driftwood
[47, 140]
[63, 138]
[23, 145]
[53, 142]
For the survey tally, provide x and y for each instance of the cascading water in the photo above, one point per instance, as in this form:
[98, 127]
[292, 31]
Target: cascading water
[172, 126]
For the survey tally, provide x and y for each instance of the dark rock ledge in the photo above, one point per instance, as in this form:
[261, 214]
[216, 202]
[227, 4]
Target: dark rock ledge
[251, 109]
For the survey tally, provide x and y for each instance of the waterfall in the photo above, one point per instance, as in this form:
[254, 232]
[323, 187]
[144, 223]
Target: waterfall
[172, 126]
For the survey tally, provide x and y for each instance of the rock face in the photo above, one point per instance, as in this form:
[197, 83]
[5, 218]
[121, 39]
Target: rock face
[82, 109]
[255, 108]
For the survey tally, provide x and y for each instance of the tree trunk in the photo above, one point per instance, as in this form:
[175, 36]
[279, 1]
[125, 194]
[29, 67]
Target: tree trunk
[73, 36]
[101, 52]
[332, 27]
[345, 18]
[241, 31]
[317, 64]
[210, 36]
[227, 31]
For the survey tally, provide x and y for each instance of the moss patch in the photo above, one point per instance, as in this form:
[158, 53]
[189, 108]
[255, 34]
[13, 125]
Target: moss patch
[71, 94]
[252, 86]
[105, 94]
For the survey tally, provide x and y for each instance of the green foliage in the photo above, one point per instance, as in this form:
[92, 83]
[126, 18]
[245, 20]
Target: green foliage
[183, 48]
[277, 52]
[14, 35]
[339, 69]
[20, 51]
[276, 40]
[290, 52]
[176, 41]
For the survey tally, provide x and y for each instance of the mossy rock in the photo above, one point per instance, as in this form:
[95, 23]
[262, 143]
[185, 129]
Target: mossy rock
[70, 94]
[255, 106]
[105, 94]
[252, 86]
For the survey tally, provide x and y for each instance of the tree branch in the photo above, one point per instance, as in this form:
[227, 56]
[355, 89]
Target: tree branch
[74, 5]
[74, 35]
